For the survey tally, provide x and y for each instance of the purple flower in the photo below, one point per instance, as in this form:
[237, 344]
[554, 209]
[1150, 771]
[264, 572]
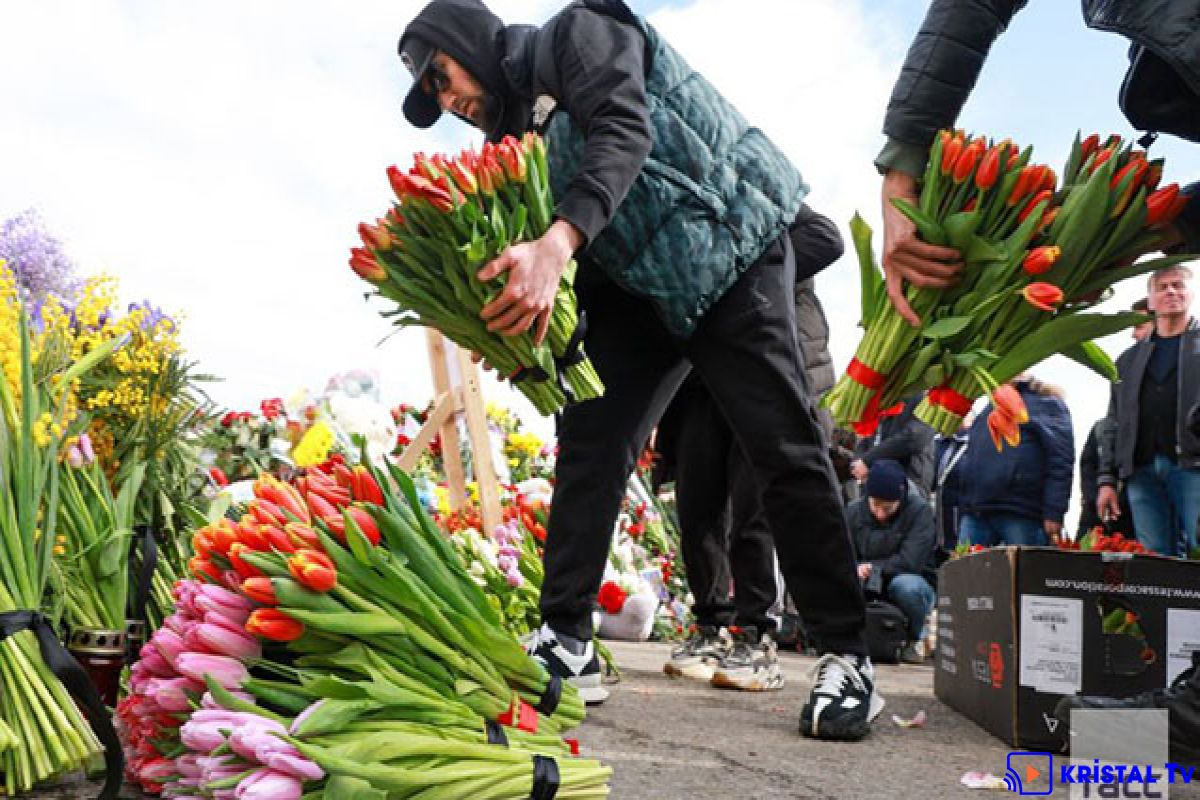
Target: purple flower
[36, 257]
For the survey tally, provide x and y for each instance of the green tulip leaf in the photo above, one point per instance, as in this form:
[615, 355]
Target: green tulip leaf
[870, 278]
[946, 328]
[960, 229]
[927, 226]
[981, 251]
[1092, 356]
[1057, 336]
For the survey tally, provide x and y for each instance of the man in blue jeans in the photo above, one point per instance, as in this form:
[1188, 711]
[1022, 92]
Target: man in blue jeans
[1148, 443]
[894, 541]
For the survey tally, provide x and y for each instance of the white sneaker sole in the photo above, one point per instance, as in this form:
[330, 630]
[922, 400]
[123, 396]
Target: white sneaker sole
[590, 689]
[723, 680]
[696, 672]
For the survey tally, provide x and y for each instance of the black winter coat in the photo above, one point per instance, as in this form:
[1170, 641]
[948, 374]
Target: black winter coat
[903, 545]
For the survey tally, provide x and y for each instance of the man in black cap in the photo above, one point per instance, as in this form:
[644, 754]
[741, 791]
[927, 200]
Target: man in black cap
[895, 540]
[677, 211]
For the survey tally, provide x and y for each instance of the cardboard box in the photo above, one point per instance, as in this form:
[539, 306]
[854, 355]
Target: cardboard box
[1019, 627]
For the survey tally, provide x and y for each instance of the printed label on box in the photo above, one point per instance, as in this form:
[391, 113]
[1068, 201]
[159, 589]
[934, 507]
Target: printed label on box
[1183, 637]
[1051, 643]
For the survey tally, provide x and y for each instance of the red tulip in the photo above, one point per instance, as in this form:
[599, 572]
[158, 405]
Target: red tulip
[260, 590]
[989, 168]
[1034, 202]
[203, 568]
[1030, 176]
[365, 487]
[302, 535]
[1010, 403]
[1163, 205]
[241, 566]
[513, 160]
[313, 570]
[463, 177]
[950, 153]
[1044, 296]
[1101, 158]
[1088, 146]
[1003, 429]
[218, 476]
[375, 237]
[966, 162]
[1041, 259]
[365, 266]
[273, 624]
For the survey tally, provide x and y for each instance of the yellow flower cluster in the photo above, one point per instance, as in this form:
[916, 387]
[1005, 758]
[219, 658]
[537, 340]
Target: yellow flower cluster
[524, 444]
[314, 447]
[60, 335]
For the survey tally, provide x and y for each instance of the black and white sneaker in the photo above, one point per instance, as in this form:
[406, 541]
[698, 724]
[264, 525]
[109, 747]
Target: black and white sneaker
[581, 670]
[843, 701]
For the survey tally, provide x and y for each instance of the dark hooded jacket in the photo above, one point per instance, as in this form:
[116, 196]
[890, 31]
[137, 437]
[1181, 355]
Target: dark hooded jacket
[674, 192]
[1161, 90]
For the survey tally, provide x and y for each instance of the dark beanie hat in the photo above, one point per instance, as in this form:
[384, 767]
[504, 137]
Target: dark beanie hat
[887, 481]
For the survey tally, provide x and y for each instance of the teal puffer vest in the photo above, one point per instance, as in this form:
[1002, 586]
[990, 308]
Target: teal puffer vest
[712, 196]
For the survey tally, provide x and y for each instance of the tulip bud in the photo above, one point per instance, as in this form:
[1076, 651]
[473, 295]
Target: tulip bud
[1163, 205]
[1044, 296]
[513, 160]
[951, 152]
[1030, 176]
[464, 178]
[365, 266]
[313, 570]
[273, 624]
[375, 237]
[1033, 203]
[1041, 259]
[1088, 146]
[989, 168]
[966, 162]
[260, 590]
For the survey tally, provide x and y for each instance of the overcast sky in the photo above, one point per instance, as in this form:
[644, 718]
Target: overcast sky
[216, 157]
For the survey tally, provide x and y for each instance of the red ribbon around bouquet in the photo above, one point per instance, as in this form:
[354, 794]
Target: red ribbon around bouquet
[950, 400]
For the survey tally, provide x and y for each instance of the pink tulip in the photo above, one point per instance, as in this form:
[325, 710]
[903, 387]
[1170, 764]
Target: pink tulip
[202, 736]
[171, 693]
[268, 784]
[169, 644]
[222, 601]
[226, 671]
[188, 766]
[207, 702]
[295, 765]
[180, 622]
[254, 739]
[153, 662]
[224, 642]
[299, 721]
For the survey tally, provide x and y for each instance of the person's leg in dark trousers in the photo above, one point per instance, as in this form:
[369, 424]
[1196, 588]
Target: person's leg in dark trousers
[756, 588]
[599, 442]
[745, 350]
[701, 496]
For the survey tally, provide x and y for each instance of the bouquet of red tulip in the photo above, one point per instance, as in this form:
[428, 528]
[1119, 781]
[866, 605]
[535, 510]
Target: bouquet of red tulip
[451, 218]
[1035, 255]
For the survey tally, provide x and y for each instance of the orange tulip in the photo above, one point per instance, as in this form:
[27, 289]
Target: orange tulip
[1041, 259]
[989, 168]
[203, 568]
[1011, 404]
[950, 153]
[1034, 202]
[240, 565]
[374, 237]
[260, 590]
[1044, 296]
[313, 570]
[1003, 429]
[1088, 146]
[966, 162]
[365, 266]
[1029, 177]
[1163, 205]
[273, 624]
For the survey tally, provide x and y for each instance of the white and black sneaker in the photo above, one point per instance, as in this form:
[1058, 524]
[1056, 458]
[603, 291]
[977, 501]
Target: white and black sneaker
[751, 665]
[581, 669]
[843, 701]
[699, 655]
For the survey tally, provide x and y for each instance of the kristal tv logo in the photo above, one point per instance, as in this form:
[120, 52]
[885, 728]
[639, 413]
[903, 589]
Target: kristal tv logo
[1024, 768]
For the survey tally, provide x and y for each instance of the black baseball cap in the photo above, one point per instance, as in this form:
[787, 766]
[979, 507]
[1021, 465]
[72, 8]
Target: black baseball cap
[420, 108]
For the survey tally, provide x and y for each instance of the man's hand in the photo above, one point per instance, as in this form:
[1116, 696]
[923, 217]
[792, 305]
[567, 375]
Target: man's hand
[907, 259]
[864, 571]
[534, 269]
[1053, 531]
[859, 469]
[1108, 504]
